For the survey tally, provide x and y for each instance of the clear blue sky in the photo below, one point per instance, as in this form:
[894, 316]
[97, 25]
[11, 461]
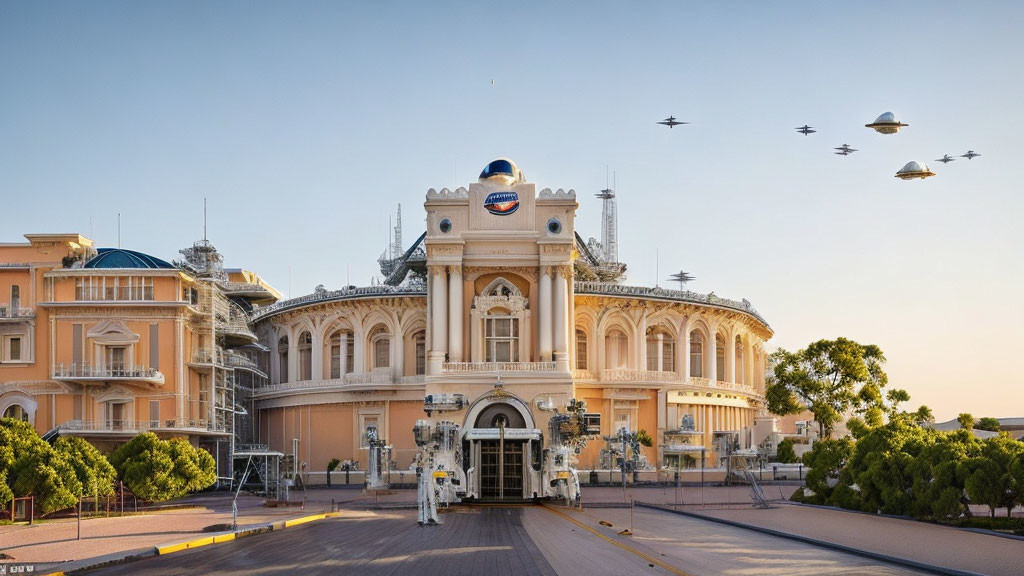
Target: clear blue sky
[304, 124]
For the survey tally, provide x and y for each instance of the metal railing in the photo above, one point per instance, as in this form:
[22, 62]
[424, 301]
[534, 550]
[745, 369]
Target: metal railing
[602, 288]
[460, 367]
[653, 376]
[122, 372]
[8, 311]
[136, 426]
[344, 293]
[349, 380]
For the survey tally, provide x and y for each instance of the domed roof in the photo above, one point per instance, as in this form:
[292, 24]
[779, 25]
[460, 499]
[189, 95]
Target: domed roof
[912, 166]
[502, 170]
[118, 258]
[914, 169]
[886, 117]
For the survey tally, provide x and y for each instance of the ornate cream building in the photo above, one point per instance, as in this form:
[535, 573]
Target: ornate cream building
[501, 306]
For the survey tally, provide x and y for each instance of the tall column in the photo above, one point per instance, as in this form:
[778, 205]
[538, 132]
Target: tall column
[455, 314]
[560, 295]
[316, 371]
[343, 341]
[439, 318]
[661, 352]
[712, 352]
[684, 350]
[397, 357]
[730, 359]
[544, 316]
[293, 356]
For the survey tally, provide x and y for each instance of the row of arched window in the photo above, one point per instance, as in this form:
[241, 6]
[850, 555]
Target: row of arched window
[661, 352]
[342, 353]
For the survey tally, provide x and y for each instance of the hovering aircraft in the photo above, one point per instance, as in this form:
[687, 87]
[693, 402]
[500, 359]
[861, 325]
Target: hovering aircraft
[805, 130]
[946, 159]
[682, 278]
[845, 150]
[970, 155]
[671, 122]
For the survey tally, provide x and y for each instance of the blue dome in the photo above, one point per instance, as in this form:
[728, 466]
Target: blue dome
[503, 171]
[117, 258]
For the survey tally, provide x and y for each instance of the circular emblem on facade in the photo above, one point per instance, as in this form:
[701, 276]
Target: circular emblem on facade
[502, 203]
[445, 225]
[554, 226]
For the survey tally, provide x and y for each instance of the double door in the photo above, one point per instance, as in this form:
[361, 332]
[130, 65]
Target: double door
[501, 469]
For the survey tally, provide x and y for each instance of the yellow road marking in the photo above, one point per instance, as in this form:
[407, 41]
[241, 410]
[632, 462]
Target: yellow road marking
[650, 559]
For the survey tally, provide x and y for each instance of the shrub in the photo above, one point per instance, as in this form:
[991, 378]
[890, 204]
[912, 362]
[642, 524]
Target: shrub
[785, 452]
[159, 470]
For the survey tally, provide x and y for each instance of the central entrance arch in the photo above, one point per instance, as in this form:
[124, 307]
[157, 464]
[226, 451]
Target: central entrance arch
[504, 448]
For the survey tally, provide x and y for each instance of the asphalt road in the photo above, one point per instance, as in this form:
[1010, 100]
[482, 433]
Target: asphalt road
[507, 541]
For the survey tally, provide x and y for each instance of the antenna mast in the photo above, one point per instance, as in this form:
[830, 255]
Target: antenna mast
[609, 225]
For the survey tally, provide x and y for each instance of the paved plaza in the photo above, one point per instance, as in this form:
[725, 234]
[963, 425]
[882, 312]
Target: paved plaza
[379, 535]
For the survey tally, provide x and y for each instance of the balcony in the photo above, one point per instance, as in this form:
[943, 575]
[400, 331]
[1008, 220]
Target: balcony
[466, 367]
[654, 377]
[16, 313]
[86, 372]
[133, 427]
[354, 381]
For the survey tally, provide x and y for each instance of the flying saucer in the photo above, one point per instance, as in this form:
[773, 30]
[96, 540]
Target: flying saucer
[886, 124]
[914, 170]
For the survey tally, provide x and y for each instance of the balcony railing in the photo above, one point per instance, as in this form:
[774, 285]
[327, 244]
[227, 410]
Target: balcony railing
[137, 426]
[86, 371]
[604, 289]
[8, 312]
[350, 380]
[343, 294]
[654, 376]
[462, 367]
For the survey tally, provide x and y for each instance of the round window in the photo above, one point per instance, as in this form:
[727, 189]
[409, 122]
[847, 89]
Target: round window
[554, 226]
[445, 225]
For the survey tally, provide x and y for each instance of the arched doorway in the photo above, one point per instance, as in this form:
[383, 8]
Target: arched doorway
[504, 450]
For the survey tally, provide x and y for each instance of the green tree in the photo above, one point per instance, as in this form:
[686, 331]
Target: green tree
[939, 473]
[988, 423]
[991, 480]
[828, 378]
[91, 467]
[33, 467]
[785, 452]
[966, 421]
[877, 477]
[158, 470]
[826, 461]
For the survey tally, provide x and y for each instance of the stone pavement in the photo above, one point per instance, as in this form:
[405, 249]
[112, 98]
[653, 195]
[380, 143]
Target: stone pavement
[55, 541]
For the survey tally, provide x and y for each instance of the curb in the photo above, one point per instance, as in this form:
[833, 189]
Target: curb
[941, 570]
[77, 566]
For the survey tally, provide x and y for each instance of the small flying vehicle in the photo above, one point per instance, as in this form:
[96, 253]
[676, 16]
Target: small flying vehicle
[946, 159]
[671, 122]
[682, 278]
[913, 170]
[971, 154]
[845, 150]
[886, 124]
[805, 130]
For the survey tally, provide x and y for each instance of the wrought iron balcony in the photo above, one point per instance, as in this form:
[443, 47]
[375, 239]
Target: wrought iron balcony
[132, 427]
[88, 372]
[358, 380]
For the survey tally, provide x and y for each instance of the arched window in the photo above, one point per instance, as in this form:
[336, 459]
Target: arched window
[380, 345]
[719, 357]
[305, 356]
[342, 347]
[660, 350]
[696, 354]
[616, 349]
[282, 359]
[17, 412]
[581, 350]
[420, 343]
